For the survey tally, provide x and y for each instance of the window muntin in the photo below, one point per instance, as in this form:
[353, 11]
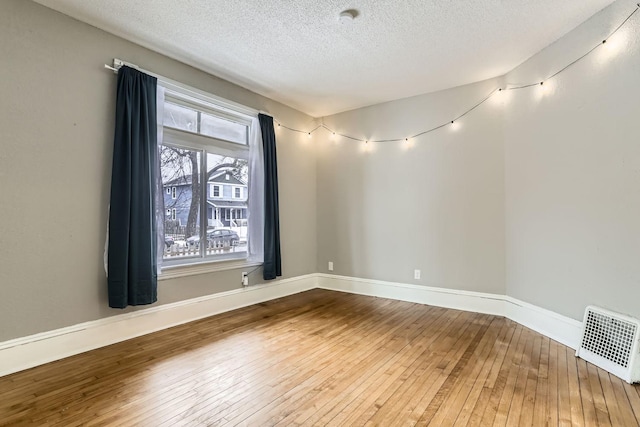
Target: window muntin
[193, 159]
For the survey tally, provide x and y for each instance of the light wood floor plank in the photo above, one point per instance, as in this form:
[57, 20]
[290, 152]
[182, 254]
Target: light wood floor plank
[626, 411]
[552, 389]
[564, 400]
[480, 395]
[498, 385]
[534, 376]
[577, 409]
[332, 409]
[325, 358]
[540, 410]
[507, 395]
[599, 403]
[517, 399]
[453, 404]
[588, 405]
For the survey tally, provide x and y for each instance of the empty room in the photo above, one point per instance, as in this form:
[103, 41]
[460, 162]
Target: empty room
[261, 213]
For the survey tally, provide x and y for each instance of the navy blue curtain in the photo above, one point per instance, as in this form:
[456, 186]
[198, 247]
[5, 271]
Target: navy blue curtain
[132, 263]
[272, 261]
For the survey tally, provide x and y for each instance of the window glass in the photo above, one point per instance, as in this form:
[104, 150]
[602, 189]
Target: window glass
[185, 118]
[179, 117]
[222, 128]
[181, 169]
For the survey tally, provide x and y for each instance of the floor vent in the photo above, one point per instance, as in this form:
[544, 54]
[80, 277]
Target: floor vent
[610, 341]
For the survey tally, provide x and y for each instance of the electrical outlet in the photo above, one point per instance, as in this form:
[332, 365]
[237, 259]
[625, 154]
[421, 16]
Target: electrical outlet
[416, 274]
[330, 267]
[245, 278]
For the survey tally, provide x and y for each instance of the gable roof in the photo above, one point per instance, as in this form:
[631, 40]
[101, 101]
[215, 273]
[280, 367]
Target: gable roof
[222, 179]
[181, 180]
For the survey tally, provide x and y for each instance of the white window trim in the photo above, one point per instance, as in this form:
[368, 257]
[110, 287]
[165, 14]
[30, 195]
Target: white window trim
[233, 191]
[208, 266]
[174, 193]
[197, 264]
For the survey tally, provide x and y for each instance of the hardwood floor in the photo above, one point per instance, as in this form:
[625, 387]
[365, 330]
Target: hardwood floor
[325, 358]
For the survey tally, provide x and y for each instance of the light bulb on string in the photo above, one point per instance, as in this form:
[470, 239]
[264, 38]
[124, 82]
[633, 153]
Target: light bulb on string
[545, 88]
[612, 46]
[455, 125]
[366, 147]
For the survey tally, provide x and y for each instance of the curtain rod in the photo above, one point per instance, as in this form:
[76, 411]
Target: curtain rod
[181, 87]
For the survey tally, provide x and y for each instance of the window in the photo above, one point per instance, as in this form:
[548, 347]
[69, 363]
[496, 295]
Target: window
[168, 190]
[216, 191]
[204, 158]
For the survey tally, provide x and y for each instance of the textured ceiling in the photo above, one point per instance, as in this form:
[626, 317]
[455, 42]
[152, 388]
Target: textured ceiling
[297, 52]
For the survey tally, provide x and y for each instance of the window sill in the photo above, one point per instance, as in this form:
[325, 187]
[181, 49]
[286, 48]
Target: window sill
[175, 271]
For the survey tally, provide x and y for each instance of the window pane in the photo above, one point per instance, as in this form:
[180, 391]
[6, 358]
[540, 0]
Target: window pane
[179, 117]
[180, 170]
[223, 129]
[226, 227]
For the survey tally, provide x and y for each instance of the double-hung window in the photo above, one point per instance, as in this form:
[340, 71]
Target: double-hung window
[204, 157]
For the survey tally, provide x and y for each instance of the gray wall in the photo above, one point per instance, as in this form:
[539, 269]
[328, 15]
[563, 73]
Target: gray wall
[56, 122]
[437, 206]
[536, 197]
[572, 163]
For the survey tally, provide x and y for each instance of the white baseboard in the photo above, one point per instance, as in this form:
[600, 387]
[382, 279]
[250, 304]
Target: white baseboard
[560, 328]
[460, 300]
[553, 325]
[33, 350]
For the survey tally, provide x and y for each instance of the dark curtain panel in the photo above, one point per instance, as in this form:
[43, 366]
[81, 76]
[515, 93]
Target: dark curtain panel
[272, 261]
[132, 263]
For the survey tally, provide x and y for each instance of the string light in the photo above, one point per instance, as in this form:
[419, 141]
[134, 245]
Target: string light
[544, 89]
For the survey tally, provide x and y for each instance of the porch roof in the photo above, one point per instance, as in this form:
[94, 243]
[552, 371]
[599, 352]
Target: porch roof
[239, 204]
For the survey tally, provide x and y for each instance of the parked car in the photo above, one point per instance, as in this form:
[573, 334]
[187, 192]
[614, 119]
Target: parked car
[216, 238]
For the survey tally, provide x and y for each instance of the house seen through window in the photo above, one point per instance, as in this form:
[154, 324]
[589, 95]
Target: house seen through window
[204, 161]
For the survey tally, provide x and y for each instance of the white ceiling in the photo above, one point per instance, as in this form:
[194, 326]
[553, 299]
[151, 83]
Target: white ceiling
[298, 53]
